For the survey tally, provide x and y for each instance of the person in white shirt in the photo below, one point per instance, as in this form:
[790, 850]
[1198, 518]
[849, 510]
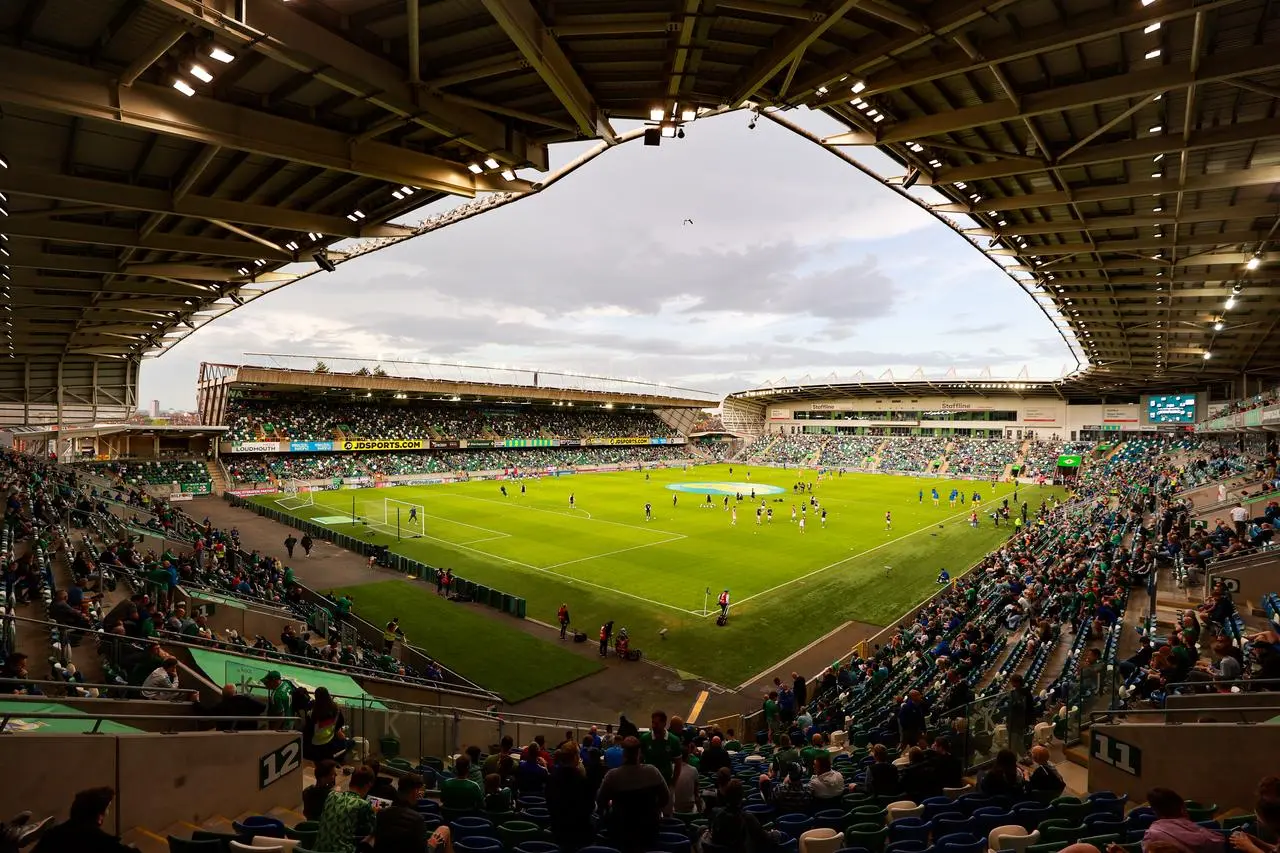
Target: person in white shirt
[165, 675]
[825, 783]
[1240, 516]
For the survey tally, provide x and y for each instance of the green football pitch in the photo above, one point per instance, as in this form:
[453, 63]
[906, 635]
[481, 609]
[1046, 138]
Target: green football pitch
[603, 558]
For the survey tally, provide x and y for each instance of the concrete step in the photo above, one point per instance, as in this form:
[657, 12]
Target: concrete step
[218, 823]
[146, 841]
[288, 816]
[1078, 754]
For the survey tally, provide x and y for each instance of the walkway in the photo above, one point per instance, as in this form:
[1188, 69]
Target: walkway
[621, 687]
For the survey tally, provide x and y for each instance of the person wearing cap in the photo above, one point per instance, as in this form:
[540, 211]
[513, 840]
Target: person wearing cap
[279, 699]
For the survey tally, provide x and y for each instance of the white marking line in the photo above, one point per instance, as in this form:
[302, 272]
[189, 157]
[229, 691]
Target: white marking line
[550, 570]
[846, 559]
[782, 664]
[675, 538]
[567, 514]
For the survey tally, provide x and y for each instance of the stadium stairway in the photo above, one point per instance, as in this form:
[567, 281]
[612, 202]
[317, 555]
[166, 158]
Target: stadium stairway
[875, 454]
[217, 476]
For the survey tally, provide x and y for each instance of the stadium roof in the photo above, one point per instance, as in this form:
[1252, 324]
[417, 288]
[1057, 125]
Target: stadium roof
[1119, 157]
[349, 377]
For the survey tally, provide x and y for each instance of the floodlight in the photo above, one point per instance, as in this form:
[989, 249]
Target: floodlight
[1253, 263]
[858, 87]
[491, 163]
[201, 73]
[657, 114]
[321, 258]
[184, 87]
[913, 175]
[475, 168]
[688, 114]
[218, 54]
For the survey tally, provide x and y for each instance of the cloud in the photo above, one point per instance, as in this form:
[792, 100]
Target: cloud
[795, 264]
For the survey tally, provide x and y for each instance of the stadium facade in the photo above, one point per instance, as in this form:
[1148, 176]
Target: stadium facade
[985, 408]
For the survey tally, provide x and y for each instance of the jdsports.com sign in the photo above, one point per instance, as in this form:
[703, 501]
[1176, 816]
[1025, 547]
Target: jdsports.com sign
[384, 444]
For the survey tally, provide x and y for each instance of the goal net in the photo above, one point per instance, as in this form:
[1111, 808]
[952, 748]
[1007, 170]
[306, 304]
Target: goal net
[296, 495]
[412, 517]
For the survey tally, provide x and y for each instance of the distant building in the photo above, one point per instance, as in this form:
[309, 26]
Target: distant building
[155, 408]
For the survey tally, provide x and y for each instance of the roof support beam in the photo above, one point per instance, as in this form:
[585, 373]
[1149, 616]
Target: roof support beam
[1135, 149]
[281, 33]
[788, 46]
[42, 83]
[101, 235]
[89, 191]
[1132, 189]
[1221, 67]
[1141, 244]
[520, 21]
[1101, 24]
[57, 284]
[1224, 213]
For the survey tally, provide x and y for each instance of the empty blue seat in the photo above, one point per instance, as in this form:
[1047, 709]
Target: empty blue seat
[945, 825]
[469, 827]
[935, 806]
[671, 842]
[912, 846]
[477, 844]
[793, 825]
[1029, 817]
[537, 847]
[829, 819]
[961, 842]
[1108, 802]
[909, 829]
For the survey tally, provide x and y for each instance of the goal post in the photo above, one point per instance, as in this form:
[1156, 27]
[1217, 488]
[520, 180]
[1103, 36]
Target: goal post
[412, 516]
[297, 495]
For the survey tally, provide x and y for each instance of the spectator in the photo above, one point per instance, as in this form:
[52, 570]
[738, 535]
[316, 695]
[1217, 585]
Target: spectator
[732, 828]
[713, 757]
[569, 801]
[82, 831]
[882, 775]
[1003, 779]
[233, 704]
[324, 731]
[314, 796]
[826, 783]
[950, 769]
[660, 746]
[686, 797]
[347, 815]
[461, 792]
[632, 798]
[1174, 826]
[15, 667]
[1045, 778]
[160, 684]
[400, 828]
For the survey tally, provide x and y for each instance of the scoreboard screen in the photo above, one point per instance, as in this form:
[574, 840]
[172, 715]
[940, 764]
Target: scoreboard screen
[1171, 408]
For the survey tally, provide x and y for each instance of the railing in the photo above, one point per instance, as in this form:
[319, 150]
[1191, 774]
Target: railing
[1096, 717]
[247, 653]
[99, 719]
[71, 686]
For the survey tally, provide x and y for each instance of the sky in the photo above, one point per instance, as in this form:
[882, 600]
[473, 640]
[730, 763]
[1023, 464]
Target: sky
[796, 264]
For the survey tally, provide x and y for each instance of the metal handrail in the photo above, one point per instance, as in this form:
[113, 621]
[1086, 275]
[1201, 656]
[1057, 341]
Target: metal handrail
[1095, 716]
[282, 657]
[1219, 682]
[85, 685]
[99, 719]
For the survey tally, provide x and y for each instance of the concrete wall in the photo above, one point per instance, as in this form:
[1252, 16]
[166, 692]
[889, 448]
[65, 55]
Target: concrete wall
[159, 779]
[1252, 581]
[247, 621]
[1208, 762]
[1222, 707]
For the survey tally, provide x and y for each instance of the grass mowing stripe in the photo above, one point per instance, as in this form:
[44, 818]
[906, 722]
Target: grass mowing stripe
[499, 657]
[787, 591]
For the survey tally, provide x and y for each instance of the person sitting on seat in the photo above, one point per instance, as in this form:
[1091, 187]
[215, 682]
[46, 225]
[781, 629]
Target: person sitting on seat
[1173, 826]
[1045, 777]
[732, 828]
[82, 831]
[347, 815]
[461, 793]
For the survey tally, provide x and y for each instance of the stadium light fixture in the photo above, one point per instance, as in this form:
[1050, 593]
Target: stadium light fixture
[858, 87]
[321, 257]
[1155, 128]
[822, 90]
[491, 163]
[913, 175]
[508, 175]
[657, 114]
[407, 190]
[201, 73]
[243, 271]
[1152, 54]
[1231, 302]
[960, 185]
[1218, 325]
[292, 245]
[219, 54]
[4, 164]
[873, 113]
[399, 196]
[1157, 158]
[1253, 263]
[668, 130]
[857, 101]
[475, 168]
[863, 105]
[688, 114]
[1147, 2]
[1207, 355]
[1151, 28]
[878, 118]
[183, 86]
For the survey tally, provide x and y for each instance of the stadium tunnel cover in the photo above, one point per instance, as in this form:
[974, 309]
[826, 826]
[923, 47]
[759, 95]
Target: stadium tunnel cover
[726, 488]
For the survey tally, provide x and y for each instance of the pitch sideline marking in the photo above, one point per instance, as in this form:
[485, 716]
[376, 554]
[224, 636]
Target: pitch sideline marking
[841, 562]
[675, 538]
[569, 578]
[563, 514]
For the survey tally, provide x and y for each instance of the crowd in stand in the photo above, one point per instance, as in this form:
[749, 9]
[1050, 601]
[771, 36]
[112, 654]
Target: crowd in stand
[982, 457]
[912, 454]
[259, 468]
[156, 472]
[1041, 459]
[787, 449]
[850, 451]
[906, 707]
[274, 420]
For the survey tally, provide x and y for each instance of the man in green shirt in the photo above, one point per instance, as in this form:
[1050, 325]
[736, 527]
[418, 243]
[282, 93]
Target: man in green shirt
[771, 717]
[347, 815]
[279, 699]
[811, 753]
[659, 746]
[461, 792]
